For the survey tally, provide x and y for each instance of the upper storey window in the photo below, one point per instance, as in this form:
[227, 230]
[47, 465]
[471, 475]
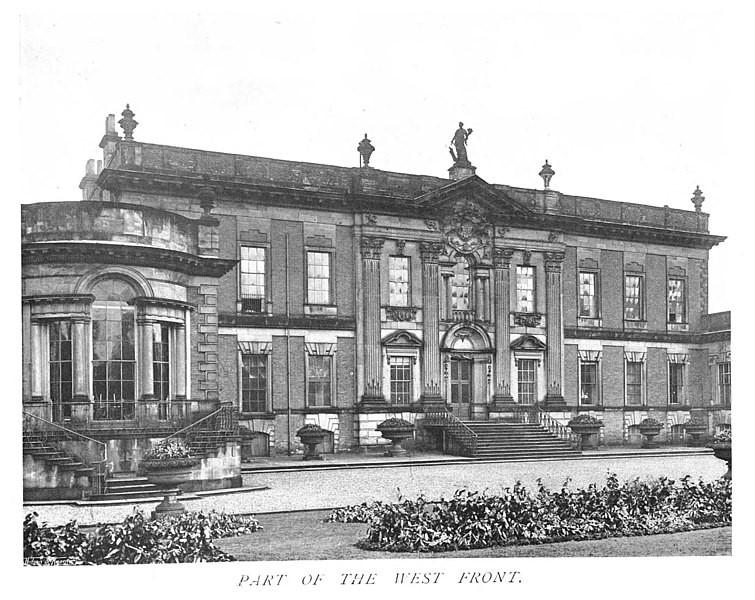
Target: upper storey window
[318, 277]
[525, 289]
[634, 290]
[460, 284]
[398, 280]
[588, 295]
[252, 279]
[677, 296]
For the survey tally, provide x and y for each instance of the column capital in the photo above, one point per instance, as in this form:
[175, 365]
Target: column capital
[430, 252]
[554, 261]
[502, 257]
[371, 247]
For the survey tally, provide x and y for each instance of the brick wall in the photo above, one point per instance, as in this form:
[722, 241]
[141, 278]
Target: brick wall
[570, 287]
[656, 371]
[699, 378]
[228, 369]
[279, 229]
[612, 289]
[655, 291]
[344, 271]
[280, 381]
[696, 296]
[613, 375]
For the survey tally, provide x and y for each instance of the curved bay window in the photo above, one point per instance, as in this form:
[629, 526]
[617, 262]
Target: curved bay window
[114, 350]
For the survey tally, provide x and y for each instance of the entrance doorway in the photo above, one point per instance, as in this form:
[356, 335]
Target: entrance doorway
[461, 387]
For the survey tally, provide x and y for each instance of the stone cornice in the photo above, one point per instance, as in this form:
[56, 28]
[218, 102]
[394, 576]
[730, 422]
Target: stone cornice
[146, 256]
[161, 302]
[646, 336]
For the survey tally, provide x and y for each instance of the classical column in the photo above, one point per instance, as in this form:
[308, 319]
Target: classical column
[373, 373]
[146, 373]
[431, 368]
[180, 362]
[37, 362]
[501, 282]
[554, 329]
[80, 343]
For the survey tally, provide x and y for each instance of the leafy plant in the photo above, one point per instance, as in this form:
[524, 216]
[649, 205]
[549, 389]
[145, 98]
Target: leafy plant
[167, 449]
[310, 428]
[517, 516]
[185, 538]
[722, 437]
[695, 422]
[394, 423]
[585, 419]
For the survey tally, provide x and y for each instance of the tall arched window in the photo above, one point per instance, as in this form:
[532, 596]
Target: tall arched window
[460, 284]
[113, 350]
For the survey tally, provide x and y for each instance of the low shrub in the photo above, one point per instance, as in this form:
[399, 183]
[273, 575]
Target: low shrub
[185, 538]
[394, 423]
[167, 450]
[476, 520]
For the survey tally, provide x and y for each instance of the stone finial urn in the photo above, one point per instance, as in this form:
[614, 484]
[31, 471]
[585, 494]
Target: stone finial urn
[587, 428]
[396, 430]
[312, 436]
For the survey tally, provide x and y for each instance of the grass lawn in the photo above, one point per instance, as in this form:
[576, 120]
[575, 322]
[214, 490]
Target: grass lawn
[303, 536]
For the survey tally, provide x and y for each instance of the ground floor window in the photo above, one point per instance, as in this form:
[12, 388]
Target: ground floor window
[254, 383]
[61, 368]
[675, 383]
[319, 375]
[401, 379]
[634, 380]
[527, 380]
[724, 383]
[588, 383]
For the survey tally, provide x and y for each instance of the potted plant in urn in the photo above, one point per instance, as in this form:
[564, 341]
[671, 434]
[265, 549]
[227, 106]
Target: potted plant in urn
[721, 446]
[311, 436]
[695, 427]
[587, 427]
[396, 430]
[650, 427]
[168, 464]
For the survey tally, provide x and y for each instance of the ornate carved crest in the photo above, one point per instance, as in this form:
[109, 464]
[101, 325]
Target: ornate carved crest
[467, 228]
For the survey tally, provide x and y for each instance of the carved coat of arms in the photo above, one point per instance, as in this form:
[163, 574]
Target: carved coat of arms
[466, 229]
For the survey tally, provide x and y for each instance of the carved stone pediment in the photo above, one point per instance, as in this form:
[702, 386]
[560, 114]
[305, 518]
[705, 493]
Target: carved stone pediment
[466, 228]
[527, 342]
[402, 339]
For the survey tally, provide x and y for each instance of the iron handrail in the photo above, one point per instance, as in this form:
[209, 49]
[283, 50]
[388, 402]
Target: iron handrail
[559, 429]
[98, 464]
[182, 432]
[456, 425]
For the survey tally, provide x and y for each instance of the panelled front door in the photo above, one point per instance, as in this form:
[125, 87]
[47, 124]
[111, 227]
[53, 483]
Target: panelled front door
[461, 387]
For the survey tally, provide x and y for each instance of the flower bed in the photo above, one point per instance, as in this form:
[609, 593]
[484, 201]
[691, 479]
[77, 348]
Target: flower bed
[474, 520]
[137, 540]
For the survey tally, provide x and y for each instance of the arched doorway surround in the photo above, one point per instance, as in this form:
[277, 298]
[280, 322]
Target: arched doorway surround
[467, 370]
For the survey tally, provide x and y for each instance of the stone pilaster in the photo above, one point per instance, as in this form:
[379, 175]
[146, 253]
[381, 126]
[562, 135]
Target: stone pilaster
[37, 362]
[502, 282]
[180, 362]
[431, 367]
[554, 330]
[80, 343]
[146, 373]
[371, 248]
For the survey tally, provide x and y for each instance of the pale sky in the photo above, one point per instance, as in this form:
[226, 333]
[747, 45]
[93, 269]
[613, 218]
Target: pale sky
[631, 106]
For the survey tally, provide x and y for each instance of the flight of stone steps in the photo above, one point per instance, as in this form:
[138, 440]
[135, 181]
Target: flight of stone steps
[518, 441]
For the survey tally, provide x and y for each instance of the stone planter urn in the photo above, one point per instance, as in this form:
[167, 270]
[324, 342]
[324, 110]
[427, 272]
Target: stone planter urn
[695, 428]
[650, 428]
[396, 430]
[312, 436]
[722, 451]
[587, 428]
[169, 473]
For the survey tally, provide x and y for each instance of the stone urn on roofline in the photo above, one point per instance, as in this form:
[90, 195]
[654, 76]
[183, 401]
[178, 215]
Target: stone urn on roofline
[168, 465]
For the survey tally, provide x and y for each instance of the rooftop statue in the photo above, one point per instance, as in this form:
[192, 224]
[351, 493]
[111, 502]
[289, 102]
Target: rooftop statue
[365, 149]
[459, 142]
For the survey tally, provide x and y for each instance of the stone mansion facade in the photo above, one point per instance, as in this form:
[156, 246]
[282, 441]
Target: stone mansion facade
[189, 280]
